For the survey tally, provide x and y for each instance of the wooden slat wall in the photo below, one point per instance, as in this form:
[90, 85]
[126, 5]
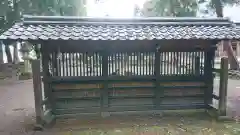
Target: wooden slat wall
[125, 64]
[177, 81]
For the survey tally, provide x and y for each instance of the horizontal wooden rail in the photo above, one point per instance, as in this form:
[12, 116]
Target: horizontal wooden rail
[125, 78]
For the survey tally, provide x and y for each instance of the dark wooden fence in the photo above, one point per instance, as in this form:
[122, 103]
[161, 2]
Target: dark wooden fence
[86, 83]
[75, 84]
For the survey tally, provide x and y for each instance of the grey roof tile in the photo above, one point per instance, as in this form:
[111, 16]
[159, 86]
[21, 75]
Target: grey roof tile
[70, 28]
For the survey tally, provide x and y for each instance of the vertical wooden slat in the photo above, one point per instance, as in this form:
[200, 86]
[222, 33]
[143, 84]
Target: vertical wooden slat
[59, 64]
[87, 60]
[193, 56]
[84, 64]
[160, 63]
[185, 62]
[171, 64]
[94, 64]
[137, 55]
[174, 64]
[81, 64]
[130, 63]
[144, 63]
[180, 63]
[63, 64]
[165, 63]
[77, 64]
[37, 88]
[201, 56]
[197, 66]
[67, 65]
[56, 67]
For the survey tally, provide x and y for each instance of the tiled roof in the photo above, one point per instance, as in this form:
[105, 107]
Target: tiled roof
[76, 28]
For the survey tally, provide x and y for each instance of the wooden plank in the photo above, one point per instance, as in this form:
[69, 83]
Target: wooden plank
[133, 101]
[76, 86]
[152, 108]
[100, 78]
[37, 88]
[183, 106]
[131, 108]
[132, 84]
[180, 92]
[181, 78]
[72, 103]
[77, 110]
[223, 87]
[183, 100]
[131, 93]
[77, 94]
[182, 84]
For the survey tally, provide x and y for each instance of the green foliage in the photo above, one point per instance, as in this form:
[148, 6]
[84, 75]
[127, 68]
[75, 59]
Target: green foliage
[12, 10]
[170, 8]
[216, 6]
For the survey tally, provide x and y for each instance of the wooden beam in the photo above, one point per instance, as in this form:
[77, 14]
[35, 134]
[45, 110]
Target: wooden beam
[37, 88]
[223, 87]
[46, 75]
[127, 45]
[104, 91]
[158, 91]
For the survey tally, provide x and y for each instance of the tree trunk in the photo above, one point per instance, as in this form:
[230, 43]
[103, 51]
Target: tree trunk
[227, 46]
[1, 53]
[217, 4]
[8, 53]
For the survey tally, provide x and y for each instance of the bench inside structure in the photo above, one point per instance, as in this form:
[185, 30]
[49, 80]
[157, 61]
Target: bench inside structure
[100, 66]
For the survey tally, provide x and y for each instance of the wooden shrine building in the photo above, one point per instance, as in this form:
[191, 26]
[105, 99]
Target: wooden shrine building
[94, 66]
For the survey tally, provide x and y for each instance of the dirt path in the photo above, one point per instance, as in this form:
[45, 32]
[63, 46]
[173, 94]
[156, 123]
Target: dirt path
[17, 105]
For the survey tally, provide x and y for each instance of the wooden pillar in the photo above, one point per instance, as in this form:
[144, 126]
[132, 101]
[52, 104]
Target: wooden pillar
[207, 74]
[104, 91]
[223, 87]
[37, 88]
[158, 91]
[46, 75]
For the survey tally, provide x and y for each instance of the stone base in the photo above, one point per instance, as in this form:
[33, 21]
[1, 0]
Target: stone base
[38, 127]
[225, 118]
[25, 76]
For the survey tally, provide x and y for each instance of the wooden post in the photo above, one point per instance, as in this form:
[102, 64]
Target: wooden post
[157, 91]
[37, 88]
[223, 87]
[104, 91]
